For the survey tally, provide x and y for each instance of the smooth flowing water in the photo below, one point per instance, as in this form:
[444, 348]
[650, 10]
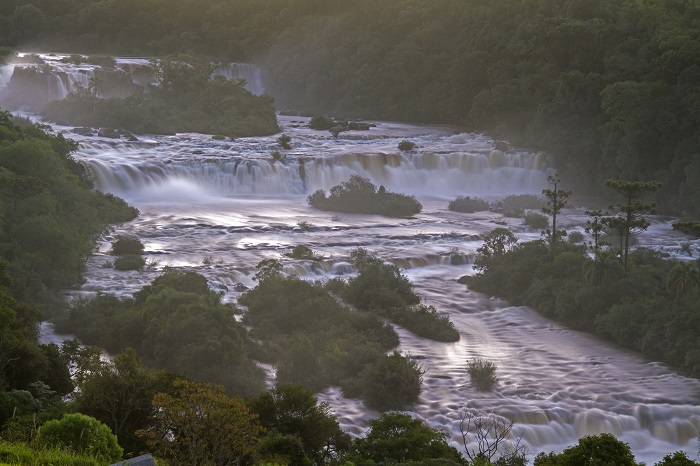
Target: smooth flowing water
[219, 207]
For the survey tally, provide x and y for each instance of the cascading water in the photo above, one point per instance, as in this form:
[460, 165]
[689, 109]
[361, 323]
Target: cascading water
[36, 79]
[219, 207]
[251, 73]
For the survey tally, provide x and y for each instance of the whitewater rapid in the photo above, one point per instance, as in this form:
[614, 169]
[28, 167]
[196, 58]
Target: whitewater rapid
[219, 207]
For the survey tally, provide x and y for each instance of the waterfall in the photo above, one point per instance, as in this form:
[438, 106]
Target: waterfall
[251, 73]
[59, 77]
[420, 173]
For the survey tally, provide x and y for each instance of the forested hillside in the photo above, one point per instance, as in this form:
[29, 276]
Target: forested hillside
[610, 88]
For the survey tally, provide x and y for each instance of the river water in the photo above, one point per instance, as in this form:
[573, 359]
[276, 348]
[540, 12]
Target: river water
[219, 207]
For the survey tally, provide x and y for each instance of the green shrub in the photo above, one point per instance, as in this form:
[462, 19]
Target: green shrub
[127, 245]
[536, 221]
[129, 262]
[424, 321]
[359, 195]
[321, 123]
[284, 141]
[407, 145]
[515, 205]
[575, 236]
[390, 383]
[468, 205]
[482, 374]
[304, 253]
[377, 285]
[20, 454]
[82, 434]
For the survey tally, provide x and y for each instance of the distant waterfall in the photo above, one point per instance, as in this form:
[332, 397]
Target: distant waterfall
[251, 73]
[34, 84]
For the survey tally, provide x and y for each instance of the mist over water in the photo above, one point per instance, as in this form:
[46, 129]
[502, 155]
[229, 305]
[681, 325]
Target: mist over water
[219, 207]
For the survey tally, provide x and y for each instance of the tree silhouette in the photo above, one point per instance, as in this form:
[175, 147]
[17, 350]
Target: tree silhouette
[555, 200]
[683, 277]
[630, 215]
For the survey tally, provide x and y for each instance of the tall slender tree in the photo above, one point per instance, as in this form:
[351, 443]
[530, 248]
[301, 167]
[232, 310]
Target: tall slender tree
[630, 215]
[555, 200]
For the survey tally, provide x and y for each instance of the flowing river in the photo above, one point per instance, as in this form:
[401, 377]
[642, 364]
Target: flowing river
[219, 207]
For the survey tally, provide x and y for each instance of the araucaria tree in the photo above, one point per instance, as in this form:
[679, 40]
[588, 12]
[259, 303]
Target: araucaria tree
[630, 215]
[555, 200]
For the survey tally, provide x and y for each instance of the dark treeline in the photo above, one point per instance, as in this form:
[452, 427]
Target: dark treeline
[652, 308]
[610, 88]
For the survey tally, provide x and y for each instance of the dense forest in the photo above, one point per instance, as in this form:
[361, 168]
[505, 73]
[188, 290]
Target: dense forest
[610, 89]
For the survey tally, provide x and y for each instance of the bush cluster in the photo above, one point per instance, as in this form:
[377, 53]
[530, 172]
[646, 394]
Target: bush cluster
[482, 374]
[468, 204]
[315, 341]
[172, 324]
[536, 221]
[652, 308]
[127, 245]
[515, 205]
[359, 195]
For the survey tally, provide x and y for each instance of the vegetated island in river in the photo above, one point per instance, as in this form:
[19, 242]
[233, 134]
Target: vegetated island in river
[359, 195]
[185, 98]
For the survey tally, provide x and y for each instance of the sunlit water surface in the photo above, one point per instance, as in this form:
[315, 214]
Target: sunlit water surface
[219, 207]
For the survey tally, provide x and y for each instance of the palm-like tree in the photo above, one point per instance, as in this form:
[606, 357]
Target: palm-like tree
[603, 268]
[683, 277]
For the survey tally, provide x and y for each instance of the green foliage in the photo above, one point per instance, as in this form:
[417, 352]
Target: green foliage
[185, 98]
[482, 374]
[515, 205]
[284, 141]
[566, 79]
[321, 123]
[177, 312]
[197, 423]
[383, 289]
[129, 262]
[359, 195]
[555, 200]
[21, 453]
[118, 393]
[650, 309]
[575, 237]
[127, 245]
[591, 449]
[397, 438]
[678, 458]
[49, 214]
[496, 244]
[83, 434]
[268, 269]
[689, 228]
[630, 218]
[406, 145]
[377, 285]
[23, 362]
[468, 204]
[536, 221]
[290, 410]
[304, 253]
[390, 383]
